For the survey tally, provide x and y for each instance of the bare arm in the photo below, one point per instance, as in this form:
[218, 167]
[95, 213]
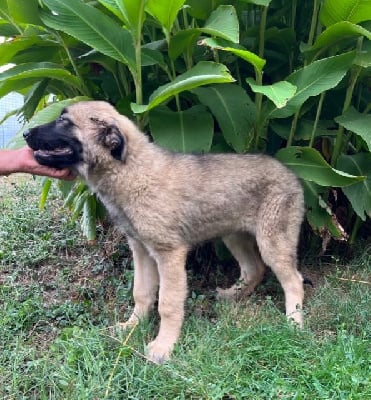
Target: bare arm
[22, 160]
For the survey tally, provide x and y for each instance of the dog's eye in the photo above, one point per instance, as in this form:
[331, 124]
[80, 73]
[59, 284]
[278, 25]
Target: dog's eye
[62, 119]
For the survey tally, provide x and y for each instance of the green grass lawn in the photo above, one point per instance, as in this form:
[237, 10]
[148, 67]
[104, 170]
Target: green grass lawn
[59, 296]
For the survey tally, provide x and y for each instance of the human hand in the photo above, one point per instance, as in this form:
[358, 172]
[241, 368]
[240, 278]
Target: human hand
[24, 161]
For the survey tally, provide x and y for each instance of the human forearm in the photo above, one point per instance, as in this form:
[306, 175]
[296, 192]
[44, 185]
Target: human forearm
[22, 160]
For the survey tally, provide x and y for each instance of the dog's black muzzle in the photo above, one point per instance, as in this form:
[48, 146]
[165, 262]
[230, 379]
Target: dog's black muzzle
[54, 146]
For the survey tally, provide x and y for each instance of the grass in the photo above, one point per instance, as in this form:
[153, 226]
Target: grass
[58, 296]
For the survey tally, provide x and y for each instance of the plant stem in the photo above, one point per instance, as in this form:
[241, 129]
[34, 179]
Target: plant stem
[310, 42]
[263, 24]
[137, 74]
[348, 99]
[293, 14]
[313, 23]
[356, 226]
[294, 124]
[259, 76]
[85, 89]
[318, 113]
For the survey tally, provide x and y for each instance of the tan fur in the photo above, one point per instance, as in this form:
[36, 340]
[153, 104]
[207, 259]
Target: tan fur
[165, 203]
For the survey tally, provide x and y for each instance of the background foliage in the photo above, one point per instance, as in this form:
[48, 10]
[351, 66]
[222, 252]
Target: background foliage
[284, 77]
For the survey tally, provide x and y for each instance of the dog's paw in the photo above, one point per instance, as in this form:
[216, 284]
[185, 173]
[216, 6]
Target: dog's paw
[158, 352]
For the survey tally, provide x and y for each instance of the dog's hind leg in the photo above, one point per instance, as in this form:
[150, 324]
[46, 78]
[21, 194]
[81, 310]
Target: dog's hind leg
[146, 282]
[277, 238]
[244, 250]
[172, 295]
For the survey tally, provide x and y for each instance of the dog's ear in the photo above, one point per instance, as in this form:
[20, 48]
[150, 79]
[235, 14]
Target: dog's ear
[111, 137]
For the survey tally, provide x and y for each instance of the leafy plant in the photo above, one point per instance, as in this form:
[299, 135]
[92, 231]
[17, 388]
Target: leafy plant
[249, 75]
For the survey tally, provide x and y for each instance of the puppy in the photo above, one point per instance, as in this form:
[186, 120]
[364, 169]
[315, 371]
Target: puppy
[167, 202]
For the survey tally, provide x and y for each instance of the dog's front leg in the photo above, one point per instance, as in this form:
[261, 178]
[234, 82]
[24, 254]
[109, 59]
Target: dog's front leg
[146, 281]
[172, 295]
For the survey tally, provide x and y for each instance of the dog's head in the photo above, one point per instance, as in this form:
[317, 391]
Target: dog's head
[84, 133]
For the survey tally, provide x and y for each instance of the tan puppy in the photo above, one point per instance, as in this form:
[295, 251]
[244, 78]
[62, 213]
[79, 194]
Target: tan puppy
[167, 202]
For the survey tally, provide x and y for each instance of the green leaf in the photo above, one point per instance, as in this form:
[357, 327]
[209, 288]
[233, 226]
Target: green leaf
[7, 29]
[280, 92]
[129, 11]
[335, 34]
[44, 192]
[164, 11]
[237, 50]
[363, 57]
[319, 215]
[183, 131]
[78, 203]
[92, 27]
[358, 123]
[24, 11]
[202, 9]
[183, 41]
[264, 3]
[223, 22]
[204, 73]
[89, 221]
[309, 165]
[355, 11]
[312, 80]
[234, 111]
[358, 194]
[49, 113]
[10, 48]
[151, 57]
[114, 7]
[33, 98]
[304, 129]
[39, 70]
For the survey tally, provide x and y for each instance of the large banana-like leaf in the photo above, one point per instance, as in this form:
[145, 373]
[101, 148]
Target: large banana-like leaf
[309, 165]
[39, 70]
[358, 194]
[128, 11]
[234, 111]
[23, 75]
[223, 22]
[91, 26]
[333, 35]
[183, 131]
[239, 51]
[165, 11]
[319, 214]
[24, 11]
[312, 80]
[280, 92]
[11, 48]
[354, 11]
[358, 123]
[204, 73]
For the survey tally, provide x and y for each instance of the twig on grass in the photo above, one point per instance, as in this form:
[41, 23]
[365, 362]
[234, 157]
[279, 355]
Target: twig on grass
[354, 280]
[122, 348]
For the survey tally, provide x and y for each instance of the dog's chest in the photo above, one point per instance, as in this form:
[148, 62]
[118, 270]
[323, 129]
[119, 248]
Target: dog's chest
[119, 217]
